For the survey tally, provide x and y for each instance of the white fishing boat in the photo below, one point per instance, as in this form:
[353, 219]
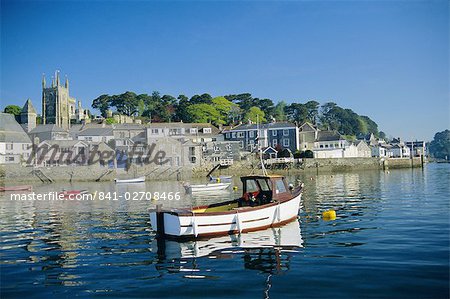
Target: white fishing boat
[267, 201]
[206, 187]
[135, 180]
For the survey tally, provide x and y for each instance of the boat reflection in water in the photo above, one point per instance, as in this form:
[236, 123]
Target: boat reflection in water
[267, 251]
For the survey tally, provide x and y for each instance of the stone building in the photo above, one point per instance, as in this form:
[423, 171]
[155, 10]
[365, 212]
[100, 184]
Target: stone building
[58, 107]
[28, 116]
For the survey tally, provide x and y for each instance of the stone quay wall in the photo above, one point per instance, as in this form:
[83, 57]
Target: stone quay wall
[16, 173]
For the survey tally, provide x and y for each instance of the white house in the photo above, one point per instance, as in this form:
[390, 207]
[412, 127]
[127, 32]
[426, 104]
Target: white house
[15, 145]
[400, 151]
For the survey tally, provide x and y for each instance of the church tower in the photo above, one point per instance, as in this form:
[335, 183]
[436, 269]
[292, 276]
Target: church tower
[57, 106]
[28, 116]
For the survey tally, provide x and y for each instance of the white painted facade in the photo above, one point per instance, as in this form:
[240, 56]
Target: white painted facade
[14, 152]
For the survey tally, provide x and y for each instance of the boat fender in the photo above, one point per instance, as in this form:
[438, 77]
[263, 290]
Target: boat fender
[235, 188]
[329, 215]
[218, 180]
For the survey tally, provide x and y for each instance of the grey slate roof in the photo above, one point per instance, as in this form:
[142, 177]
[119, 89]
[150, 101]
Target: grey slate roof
[47, 128]
[28, 107]
[329, 136]
[11, 131]
[277, 125]
[97, 132]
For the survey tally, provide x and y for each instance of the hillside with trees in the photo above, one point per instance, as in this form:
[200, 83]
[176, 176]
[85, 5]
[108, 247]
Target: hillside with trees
[439, 147]
[233, 109]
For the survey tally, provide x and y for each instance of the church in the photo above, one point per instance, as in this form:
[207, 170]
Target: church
[58, 107]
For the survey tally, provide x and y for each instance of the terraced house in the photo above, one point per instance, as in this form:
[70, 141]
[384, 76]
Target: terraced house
[279, 135]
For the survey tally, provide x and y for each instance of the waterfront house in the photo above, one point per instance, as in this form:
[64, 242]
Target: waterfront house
[380, 150]
[217, 151]
[364, 150]
[49, 132]
[178, 153]
[104, 134]
[279, 135]
[196, 132]
[72, 152]
[331, 144]
[15, 144]
[399, 150]
[417, 148]
[308, 134]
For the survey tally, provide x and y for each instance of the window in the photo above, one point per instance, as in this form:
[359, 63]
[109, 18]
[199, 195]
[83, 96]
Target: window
[321, 146]
[242, 144]
[155, 131]
[216, 148]
[240, 135]
[191, 150]
[251, 186]
[326, 145]
[274, 133]
[251, 134]
[122, 134]
[9, 146]
[193, 160]
[285, 142]
[285, 132]
[207, 130]
[233, 135]
[227, 135]
[88, 138]
[228, 147]
[10, 159]
[263, 184]
[24, 146]
[274, 142]
[193, 130]
[279, 186]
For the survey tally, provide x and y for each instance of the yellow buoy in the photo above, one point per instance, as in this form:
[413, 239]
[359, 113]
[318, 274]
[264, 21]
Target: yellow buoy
[235, 188]
[329, 215]
[218, 180]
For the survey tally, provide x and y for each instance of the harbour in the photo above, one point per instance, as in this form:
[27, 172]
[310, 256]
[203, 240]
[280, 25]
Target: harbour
[387, 225]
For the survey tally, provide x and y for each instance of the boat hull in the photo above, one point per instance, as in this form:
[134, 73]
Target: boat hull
[127, 181]
[240, 220]
[207, 187]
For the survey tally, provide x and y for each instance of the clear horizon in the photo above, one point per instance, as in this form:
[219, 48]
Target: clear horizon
[386, 60]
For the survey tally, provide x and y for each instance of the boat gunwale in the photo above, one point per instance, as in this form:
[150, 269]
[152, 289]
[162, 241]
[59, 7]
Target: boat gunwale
[191, 212]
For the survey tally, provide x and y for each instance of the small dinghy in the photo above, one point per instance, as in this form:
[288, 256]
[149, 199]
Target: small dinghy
[221, 178]
[129, 181]
[267, 201]
[16, 188]
[206, 187]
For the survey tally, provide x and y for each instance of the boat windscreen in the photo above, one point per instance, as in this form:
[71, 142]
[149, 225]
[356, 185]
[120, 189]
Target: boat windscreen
[280, 187]
[251, 186]
[264, 185]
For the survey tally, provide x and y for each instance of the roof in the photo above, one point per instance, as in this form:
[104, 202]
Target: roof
[11, 131]
[47, 128]
[176, 125]
[28, 107]
[96, 132]
[277, 125]
[128, 127]
[329, 136]
[64, 143]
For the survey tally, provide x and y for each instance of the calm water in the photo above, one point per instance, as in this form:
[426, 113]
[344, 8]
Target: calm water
[390, 239]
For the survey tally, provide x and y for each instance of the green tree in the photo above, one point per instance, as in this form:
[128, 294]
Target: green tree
[312, 108]
[201, 99]
[204, 113]
[13, 109]
[126, 103]
[297, 112]
[110, 121]
[224, 107]
[102, 103]
[440, 146]
[181, 113]
[255, 114]
[279, 111]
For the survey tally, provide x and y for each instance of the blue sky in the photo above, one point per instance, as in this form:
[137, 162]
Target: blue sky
[385, 59]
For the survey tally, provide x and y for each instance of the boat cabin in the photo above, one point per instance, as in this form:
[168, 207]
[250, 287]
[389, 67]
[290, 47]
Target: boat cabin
[261, 190]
